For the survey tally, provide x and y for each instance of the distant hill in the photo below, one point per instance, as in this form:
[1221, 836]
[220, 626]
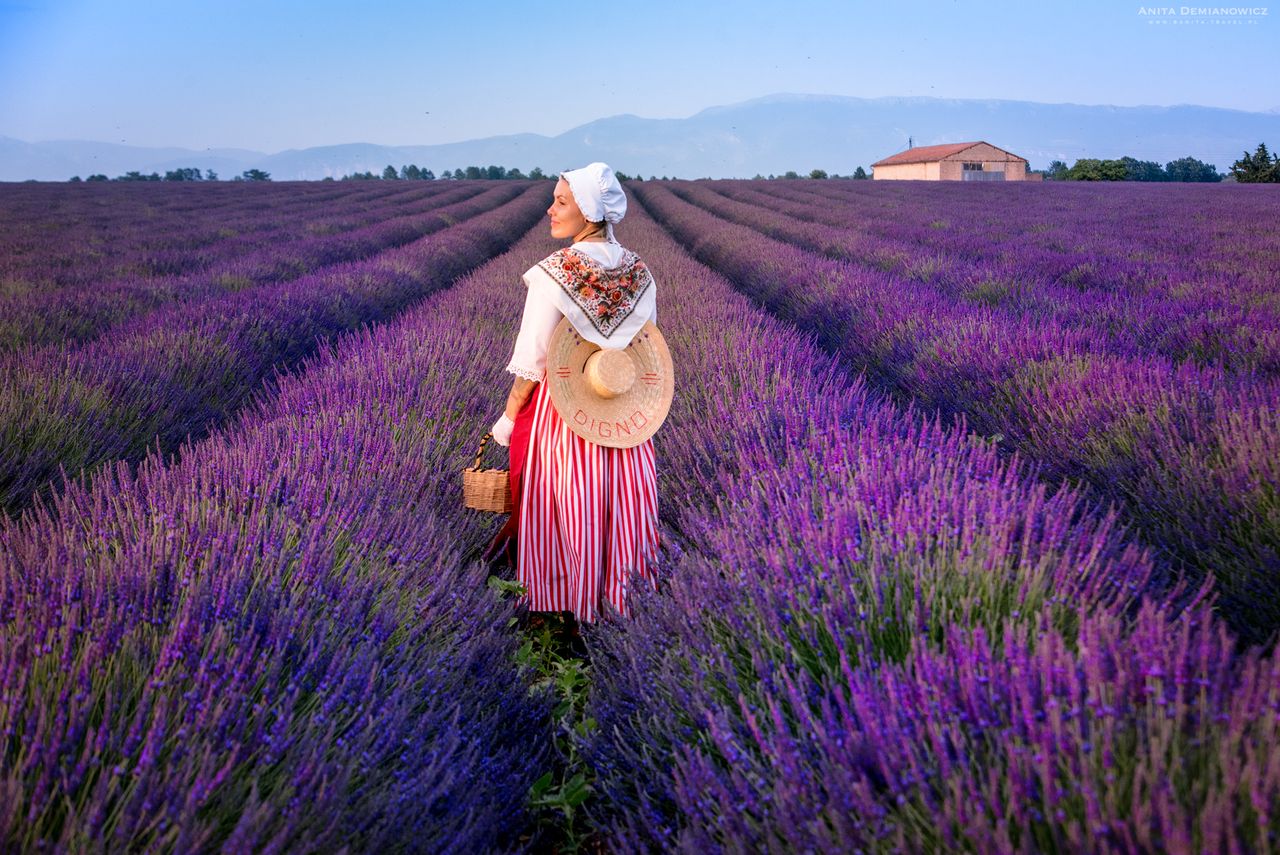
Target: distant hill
[765, 135]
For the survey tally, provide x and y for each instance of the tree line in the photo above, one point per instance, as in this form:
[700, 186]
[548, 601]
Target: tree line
[183, 174]
[1259, 167]
[411, 172]
[858, 174]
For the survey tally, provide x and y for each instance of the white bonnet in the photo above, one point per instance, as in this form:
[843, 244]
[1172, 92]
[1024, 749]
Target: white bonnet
[599, 195]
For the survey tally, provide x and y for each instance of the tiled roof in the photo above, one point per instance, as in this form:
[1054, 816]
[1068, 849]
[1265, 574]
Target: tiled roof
[930, 153]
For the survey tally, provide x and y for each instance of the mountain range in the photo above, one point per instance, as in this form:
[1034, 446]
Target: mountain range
[768, 135]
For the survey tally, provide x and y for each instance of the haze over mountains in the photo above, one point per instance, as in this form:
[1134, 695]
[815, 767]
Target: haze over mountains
[765, 135]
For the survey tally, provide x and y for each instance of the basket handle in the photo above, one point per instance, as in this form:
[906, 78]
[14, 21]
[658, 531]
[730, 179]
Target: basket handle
[480, 451]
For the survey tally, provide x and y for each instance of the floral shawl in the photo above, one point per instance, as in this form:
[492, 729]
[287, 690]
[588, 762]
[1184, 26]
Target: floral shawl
[606, 295]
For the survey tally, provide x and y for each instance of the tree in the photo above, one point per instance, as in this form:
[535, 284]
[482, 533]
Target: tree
[1092, 169]
[1259, 168]
[817, 173]
[255, 175]
[860, 174]
[1142, 170]
[1057, 171]
[97, 176]
[790, 173]
[515, 174]
[495, 173]
[390, 174]
[210, 175]
[474, 173]
[410, 172]
[184, 174]
[536, 173]
[74, 179]
[1190, 169]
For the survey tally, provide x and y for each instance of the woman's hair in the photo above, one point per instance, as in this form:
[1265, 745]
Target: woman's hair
[598, 229]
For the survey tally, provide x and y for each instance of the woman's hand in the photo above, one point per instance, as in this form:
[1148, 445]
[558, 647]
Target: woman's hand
[521, 389]
[501, 430]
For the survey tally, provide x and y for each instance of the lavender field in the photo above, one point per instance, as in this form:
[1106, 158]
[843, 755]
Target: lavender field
[970, 499]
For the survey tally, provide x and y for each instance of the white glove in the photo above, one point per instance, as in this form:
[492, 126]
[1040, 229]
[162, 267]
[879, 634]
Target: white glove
[501, 430]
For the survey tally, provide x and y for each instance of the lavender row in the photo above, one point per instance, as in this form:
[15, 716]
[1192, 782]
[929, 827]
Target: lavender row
[1171, 229]
[63, 235]
[276, 640]
[1196, 248]
[1192, 253]
[285, 220]
[1191, 455]
[251, 255]
[1137, 239]
[54, 236]
[187, 370]
[223, 235]
[49, 320]
[874, 634]
[1160, 306]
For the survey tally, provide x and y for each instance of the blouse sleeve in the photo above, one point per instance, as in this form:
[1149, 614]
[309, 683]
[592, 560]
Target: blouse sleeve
[529, 358]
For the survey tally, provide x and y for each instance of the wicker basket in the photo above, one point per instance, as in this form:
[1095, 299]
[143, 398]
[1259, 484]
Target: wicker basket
[486, 489]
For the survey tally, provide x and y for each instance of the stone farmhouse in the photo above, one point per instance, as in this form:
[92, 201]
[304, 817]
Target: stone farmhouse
[964, 161]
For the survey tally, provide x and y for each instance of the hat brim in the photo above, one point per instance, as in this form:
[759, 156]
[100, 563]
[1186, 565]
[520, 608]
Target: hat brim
[626, 420]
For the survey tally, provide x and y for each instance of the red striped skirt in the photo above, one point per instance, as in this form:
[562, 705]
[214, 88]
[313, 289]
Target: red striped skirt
[587, 518]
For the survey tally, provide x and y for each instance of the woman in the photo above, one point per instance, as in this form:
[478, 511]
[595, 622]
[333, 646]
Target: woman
[585, 517]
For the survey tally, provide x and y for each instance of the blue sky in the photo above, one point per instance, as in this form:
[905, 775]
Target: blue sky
[273, 75]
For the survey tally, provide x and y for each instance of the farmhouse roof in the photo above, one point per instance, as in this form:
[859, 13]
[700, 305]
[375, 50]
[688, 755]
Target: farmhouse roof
[930, 153]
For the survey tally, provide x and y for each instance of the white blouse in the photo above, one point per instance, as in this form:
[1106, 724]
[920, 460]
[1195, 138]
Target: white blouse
[545, 303]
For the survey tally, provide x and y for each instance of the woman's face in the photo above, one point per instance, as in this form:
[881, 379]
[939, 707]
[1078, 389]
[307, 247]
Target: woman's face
[566, 218]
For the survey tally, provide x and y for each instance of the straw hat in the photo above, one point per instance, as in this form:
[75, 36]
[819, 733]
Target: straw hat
[616, 398]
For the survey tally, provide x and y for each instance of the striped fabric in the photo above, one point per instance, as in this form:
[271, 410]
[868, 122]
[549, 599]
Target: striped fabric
[588, 518]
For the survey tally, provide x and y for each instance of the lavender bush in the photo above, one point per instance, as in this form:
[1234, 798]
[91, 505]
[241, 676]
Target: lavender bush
[54, 236]
[1147, 737]
[876, 629]
[1119, 278]
[1132, 234]
[1189, 453]
[185, 369]
[279, 639]
[852, 650]
[246, 253]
